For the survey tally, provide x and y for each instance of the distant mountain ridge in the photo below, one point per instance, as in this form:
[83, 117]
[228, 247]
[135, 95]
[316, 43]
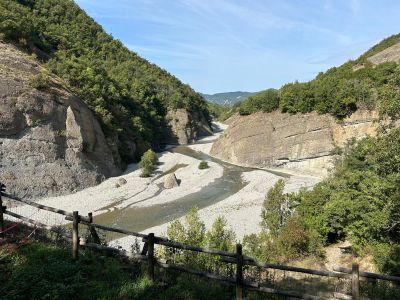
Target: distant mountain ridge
[227, 98]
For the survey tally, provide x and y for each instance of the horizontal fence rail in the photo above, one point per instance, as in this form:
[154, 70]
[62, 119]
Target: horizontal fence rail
[370, 275]
[44, 207]
[148, 254]
[55, 229]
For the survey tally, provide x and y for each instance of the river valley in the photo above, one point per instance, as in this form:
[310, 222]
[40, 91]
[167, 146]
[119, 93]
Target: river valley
[143, 204]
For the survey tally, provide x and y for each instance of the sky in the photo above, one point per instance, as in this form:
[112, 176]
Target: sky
[246, 45]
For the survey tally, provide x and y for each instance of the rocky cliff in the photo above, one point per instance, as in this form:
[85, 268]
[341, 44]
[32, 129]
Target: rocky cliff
[185, 127]
[304, 142]
[51, 143]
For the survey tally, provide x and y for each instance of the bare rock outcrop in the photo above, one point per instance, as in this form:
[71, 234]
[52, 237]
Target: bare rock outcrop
[184, 127]
[304, 142]
[389, 54]
[50, 141]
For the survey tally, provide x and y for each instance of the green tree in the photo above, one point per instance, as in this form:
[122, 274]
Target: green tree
[148, 163]
[193, 232]
[218, 237]
[273, 211]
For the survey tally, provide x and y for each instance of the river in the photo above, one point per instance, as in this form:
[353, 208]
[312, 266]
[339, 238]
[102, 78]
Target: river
[141, 218]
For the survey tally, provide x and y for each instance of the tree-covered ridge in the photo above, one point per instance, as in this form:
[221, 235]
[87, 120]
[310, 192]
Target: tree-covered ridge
[129, 95]
[384, 44]
[339, 91]
[228, 98]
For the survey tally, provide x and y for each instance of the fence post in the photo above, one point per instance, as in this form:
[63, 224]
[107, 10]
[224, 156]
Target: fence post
[239, 272]
[355, 282]
[2, 189]
[75, 236]
[150, 255]
[93, 231]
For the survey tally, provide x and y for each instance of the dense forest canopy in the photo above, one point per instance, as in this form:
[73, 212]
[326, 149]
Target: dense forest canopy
[339, 91]
[129, 95]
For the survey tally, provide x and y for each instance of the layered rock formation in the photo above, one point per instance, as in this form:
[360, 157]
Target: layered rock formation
[304, 142]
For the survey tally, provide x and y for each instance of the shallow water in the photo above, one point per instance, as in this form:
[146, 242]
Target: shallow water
[141, 218]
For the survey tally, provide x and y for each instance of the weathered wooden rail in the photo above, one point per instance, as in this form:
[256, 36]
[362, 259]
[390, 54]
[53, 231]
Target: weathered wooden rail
[148, 255]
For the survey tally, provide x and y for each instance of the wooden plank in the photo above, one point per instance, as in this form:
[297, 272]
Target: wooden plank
[239, 272]
[251, 262]
[369, 275]
[291, 294]
[44, 207]
[113, 250]
[295, 269]
[150, 255]
[38, 224]
[176, 245]
[355, 282]
[112, 229]
[75, 235]
[145, 248]
[94, 235]
[227, 280]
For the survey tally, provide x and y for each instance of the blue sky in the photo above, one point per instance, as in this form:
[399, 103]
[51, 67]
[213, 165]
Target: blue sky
[247, 45]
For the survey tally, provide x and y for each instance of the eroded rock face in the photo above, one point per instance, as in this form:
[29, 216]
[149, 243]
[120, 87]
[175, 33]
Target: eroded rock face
[50, 142]
[185, 127]
[303, 141]
[390, 54]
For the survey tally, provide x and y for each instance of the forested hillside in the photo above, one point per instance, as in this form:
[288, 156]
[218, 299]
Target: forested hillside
[339, 91]
[228, 98]
[129, 95]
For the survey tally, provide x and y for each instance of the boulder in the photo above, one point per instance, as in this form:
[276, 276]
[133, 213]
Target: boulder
[170, 181]
[121, 181]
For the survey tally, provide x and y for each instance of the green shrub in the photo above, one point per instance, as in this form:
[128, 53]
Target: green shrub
[193, 232]
[40, 81]
[203, 165]
[148, 163]
[273, 212]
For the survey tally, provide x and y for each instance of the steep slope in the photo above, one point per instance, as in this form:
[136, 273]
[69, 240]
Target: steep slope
[51, 143]
[134, 100]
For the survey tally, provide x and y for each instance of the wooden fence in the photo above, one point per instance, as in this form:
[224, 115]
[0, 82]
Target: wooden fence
[148, 254]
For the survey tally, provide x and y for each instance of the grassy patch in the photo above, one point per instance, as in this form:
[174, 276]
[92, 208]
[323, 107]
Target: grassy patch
[42, 271]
